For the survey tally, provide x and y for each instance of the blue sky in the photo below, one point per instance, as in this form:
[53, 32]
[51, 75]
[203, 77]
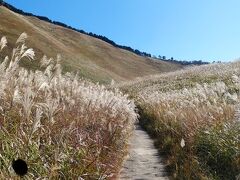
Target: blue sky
[185, 29]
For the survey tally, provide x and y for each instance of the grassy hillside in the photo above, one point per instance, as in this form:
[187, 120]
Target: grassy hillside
[94, 58]
[194, 116]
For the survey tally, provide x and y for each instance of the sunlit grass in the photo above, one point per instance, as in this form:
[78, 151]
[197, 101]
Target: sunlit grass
[63, 127]
[192, 114]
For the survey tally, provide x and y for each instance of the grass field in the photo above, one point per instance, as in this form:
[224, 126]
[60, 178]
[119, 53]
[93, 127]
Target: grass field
[66, 127]
[62, 127]
[193, 114]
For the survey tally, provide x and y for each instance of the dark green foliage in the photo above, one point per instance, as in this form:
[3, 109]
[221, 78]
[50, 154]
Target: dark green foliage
[215, 153]
[218, 149]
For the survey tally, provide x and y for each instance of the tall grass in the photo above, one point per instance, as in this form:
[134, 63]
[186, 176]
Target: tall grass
[194, 116]
[63, 127]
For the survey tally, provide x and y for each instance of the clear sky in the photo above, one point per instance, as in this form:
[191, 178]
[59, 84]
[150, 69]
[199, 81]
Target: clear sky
[184, 29]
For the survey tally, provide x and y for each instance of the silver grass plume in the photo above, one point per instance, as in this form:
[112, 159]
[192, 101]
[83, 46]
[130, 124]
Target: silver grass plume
[45, 61]
[29, 53]
[3, 43]
[22, 38]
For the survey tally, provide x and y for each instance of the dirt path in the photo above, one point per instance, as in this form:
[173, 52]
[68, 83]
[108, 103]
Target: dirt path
[143, 162]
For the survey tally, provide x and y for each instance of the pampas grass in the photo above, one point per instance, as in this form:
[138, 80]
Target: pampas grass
[191, 113]
[64, 127]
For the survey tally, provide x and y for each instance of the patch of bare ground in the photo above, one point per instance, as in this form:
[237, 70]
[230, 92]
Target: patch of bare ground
[143, 161]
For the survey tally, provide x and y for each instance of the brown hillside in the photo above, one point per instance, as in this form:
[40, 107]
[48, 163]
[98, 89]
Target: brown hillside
[93, 58]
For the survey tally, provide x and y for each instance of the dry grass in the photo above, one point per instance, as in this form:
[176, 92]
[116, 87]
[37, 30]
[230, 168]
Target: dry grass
[63, 127]
[193, 115]
[94, 58]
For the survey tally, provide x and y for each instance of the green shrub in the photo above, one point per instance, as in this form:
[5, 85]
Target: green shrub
[218, 149]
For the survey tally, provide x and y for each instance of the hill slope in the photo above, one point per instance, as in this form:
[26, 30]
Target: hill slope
[93, 58]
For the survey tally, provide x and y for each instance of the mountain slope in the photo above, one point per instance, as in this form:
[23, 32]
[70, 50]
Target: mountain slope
[93, 58]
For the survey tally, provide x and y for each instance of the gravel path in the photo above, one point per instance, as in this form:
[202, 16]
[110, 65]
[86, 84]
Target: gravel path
[143, 162]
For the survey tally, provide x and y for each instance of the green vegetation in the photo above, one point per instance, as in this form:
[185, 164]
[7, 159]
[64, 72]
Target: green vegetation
[193, 115]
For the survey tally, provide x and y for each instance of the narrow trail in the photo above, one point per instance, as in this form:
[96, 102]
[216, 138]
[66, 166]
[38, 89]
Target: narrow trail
[143, 162]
